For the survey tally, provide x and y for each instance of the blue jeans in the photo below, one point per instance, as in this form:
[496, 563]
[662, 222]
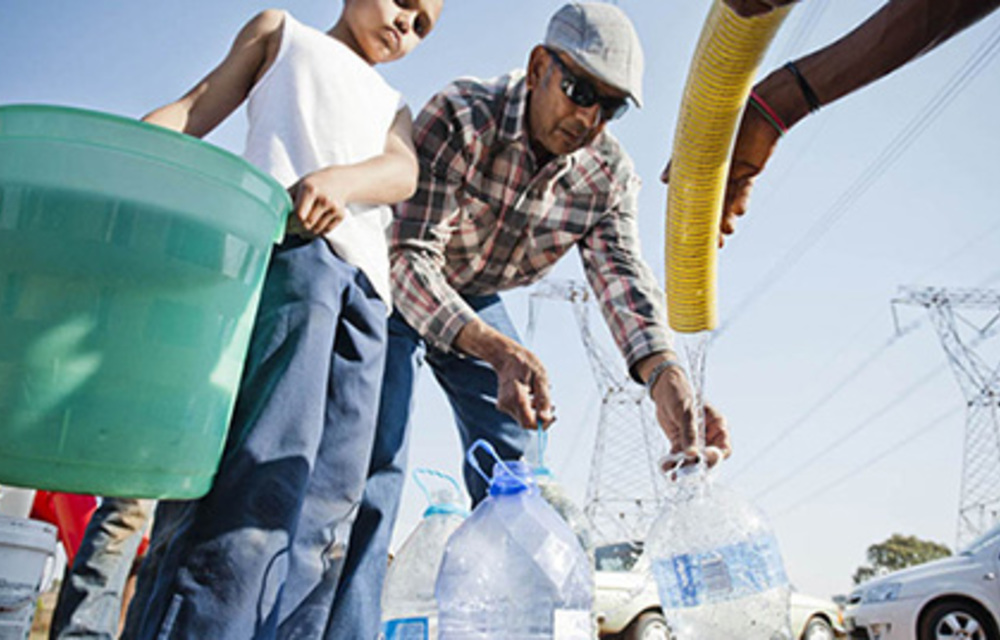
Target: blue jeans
[90, 598]
[471, 387]
[260, 556]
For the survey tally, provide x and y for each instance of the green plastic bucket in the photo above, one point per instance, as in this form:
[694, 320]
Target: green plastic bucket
[131, 264]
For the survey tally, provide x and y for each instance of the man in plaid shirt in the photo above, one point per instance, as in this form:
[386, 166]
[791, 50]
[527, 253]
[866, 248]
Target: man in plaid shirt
[514, 173]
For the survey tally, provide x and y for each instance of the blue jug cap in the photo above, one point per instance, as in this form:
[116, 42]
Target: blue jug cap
[445, 499]
[510, 478]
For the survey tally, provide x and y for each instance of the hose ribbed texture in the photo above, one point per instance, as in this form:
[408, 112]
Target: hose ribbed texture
[720, 78]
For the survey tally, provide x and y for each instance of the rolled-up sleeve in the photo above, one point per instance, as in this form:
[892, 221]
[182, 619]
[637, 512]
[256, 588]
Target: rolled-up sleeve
[423, 226]
[630, 299]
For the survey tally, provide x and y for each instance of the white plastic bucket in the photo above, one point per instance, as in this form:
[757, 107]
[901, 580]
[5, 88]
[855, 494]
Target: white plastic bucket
[27, 553]
[16, 502]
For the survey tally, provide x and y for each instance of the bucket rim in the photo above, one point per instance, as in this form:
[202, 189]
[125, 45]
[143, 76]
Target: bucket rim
[277, 200]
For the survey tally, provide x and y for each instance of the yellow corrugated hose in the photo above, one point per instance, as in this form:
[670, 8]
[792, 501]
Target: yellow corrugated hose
[720, 78]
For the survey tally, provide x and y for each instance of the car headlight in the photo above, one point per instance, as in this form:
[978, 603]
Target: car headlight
[885, 592]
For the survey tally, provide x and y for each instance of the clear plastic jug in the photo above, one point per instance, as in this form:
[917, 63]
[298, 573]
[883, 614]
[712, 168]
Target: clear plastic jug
[409, 610]
[514, 569]
[554, 493]
[717, 565]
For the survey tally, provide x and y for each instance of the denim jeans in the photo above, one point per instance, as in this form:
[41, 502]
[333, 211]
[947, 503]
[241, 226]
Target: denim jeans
[471, 387]
[90, 598]
[260, 556]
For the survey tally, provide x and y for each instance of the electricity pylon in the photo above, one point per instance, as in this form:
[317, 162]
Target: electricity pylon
[625, 488]
[965, 319]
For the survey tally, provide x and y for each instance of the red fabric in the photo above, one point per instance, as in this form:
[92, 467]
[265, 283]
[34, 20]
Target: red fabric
[69, 512]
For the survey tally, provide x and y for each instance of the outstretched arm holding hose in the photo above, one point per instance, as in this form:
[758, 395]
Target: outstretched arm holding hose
[899, 32]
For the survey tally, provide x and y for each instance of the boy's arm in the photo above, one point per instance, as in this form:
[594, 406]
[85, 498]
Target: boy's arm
[387, 178]
[223, 90]
[390, 177]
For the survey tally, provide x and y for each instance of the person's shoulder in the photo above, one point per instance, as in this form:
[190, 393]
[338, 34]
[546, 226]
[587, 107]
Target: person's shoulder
[472, 88]
[475, 93]
[268, 21]
[478, 97]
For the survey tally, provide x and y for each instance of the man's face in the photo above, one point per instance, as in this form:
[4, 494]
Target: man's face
[557, 123]
[387, 30]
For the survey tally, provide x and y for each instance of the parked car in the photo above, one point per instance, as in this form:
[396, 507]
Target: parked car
[950, 598]
[628, 606]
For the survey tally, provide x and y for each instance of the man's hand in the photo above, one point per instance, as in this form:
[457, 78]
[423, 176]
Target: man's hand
[675, 411]
[523, 384]
[524, 389]
[319, 203]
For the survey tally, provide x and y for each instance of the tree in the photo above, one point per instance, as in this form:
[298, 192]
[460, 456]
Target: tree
[899, 552]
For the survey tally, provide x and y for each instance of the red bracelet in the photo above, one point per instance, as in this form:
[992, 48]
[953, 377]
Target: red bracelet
[769, 113]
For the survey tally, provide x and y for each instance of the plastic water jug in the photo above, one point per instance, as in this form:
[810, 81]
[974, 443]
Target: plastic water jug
[553, 491]
[717, 565]
[409, 610]
[514, 569]
[131, 264]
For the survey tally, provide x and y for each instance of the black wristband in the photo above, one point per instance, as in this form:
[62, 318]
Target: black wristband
[807, 91]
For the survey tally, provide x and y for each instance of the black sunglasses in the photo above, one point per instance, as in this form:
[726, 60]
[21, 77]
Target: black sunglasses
[583, 93]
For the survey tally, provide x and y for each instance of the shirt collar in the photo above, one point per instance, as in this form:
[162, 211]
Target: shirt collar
[513, 126]
[514, 123]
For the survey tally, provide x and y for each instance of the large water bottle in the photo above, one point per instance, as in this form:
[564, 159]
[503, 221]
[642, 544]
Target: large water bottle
[717, 565]
[554, 493]
[514, 569]
[409, 610]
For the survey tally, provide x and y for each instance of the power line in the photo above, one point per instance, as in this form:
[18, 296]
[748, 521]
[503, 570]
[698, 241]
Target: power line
[983, 335]
[864, 424]
[871, 358]
[870, 462]
[810, 14]
[851, 376]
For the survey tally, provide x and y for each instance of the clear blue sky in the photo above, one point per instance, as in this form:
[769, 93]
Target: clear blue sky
[930, 219]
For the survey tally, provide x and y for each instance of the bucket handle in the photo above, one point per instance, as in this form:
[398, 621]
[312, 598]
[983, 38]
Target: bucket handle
[434, 474]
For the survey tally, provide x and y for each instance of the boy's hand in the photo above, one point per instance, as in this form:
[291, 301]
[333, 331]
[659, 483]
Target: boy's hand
[319, 204]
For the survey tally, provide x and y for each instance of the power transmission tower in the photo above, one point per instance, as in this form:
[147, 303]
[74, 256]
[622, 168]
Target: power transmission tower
[625, 488]
[965, 319]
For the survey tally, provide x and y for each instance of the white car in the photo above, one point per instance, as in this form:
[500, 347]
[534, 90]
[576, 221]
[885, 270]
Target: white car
[628, 606]
[947, 599]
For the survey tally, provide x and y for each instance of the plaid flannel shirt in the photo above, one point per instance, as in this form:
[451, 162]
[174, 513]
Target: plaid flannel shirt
[485, 219]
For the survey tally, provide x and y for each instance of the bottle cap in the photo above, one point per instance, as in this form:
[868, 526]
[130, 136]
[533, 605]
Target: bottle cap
[510, 478]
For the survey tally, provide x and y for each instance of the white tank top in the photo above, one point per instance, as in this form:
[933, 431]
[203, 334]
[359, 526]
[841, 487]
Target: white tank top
[320, 104]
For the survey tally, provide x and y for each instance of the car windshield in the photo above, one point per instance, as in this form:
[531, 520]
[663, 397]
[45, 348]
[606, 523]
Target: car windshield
[983, 541]
[620, 556]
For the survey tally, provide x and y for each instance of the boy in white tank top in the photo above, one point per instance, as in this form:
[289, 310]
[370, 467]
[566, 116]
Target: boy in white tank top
[260, 556]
